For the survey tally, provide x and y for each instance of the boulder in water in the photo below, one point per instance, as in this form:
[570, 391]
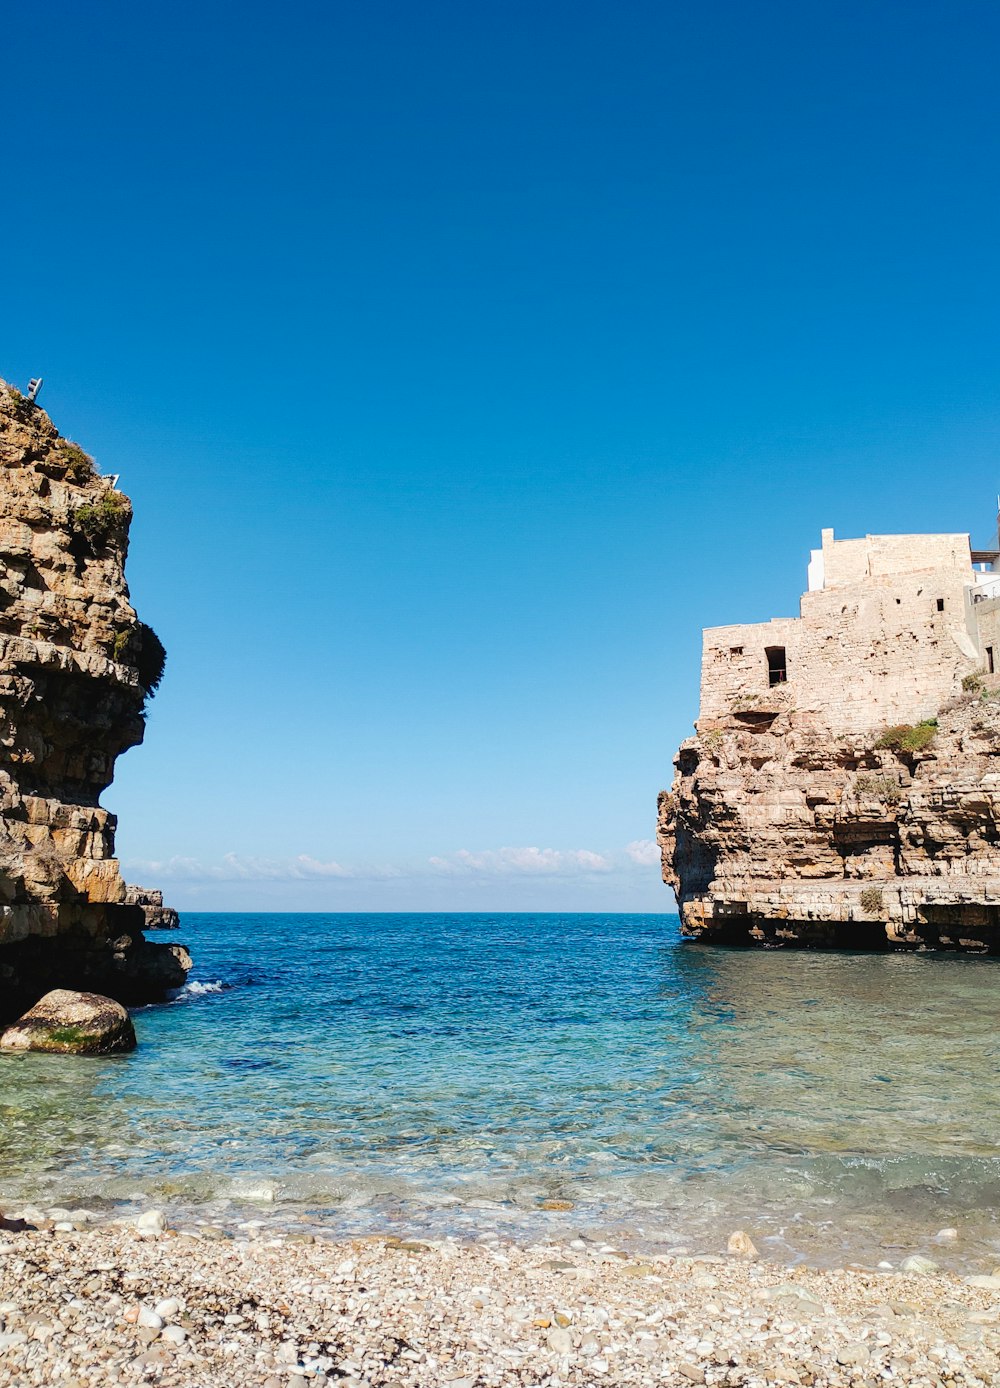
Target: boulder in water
[72, 1024]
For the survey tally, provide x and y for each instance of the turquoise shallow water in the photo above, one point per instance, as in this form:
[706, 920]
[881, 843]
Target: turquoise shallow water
[450, 1073]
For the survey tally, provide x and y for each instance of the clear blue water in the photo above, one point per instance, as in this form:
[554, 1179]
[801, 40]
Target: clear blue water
[452, 1073]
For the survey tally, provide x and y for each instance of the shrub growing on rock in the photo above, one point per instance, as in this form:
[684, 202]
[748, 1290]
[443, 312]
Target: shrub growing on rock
[880, 787]
[908, 737]
[79, 465]
[98, 521]
[151, 659]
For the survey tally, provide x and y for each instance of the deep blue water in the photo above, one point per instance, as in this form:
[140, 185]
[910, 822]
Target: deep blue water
[452, 1073]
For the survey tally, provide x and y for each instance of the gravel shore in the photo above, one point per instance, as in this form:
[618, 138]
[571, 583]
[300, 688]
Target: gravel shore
[109, 1304]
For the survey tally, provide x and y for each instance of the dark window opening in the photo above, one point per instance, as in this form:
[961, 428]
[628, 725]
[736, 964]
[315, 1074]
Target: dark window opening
[989, 659]
[940, 604]
[735, 650]
[898, 601]
[777, 668]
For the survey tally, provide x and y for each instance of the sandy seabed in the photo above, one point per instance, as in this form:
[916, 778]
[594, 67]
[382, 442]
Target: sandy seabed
[113, 1304]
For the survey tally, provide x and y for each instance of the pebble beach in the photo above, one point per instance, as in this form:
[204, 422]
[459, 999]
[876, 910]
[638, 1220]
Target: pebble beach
[540, 1179]
[95, 1304]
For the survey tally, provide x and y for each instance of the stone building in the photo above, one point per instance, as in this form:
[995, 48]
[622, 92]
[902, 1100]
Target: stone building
[843, 784]
[889, 626]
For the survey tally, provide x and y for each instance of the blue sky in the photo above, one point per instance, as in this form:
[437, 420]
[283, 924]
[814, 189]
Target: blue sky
[462, 362]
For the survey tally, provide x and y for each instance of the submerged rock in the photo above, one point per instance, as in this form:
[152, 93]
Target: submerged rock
[988, 1283]
[72, 1024]
[742, 1244]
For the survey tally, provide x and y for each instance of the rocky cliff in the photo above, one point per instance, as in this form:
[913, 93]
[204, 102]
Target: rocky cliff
[778, 832]
[76, 670]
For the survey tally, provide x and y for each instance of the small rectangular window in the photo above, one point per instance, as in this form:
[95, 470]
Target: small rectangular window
[735, 650]
[940, 604]
[989, 659]
[777, 666]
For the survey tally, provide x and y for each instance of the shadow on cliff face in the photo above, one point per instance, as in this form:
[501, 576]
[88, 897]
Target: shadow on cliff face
[952, 930]
[122, 964]
[755, 932]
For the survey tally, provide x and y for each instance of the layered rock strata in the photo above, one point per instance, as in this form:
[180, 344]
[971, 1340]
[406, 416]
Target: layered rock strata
[777, 831]
[76, 670]
[155, 915]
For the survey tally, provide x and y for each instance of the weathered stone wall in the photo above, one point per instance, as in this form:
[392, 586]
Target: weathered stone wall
[987, 618]
[73, 661]
[861, 654]
[848, 562]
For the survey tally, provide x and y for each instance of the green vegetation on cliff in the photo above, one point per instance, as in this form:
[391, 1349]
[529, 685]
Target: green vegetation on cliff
[908, 737]
[99, 521]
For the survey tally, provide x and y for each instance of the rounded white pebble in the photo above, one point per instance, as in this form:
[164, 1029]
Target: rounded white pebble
[174, 1334]
[151, 1219]
[149, 1319]
[167, 1308]
[560, 1341]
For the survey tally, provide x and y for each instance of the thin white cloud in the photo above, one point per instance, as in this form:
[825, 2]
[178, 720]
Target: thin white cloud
[532, 862]
[487, 863]
[234, 867]
[644, 852]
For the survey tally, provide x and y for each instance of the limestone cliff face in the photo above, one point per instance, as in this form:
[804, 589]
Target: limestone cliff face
[76, 667]
[779, 832]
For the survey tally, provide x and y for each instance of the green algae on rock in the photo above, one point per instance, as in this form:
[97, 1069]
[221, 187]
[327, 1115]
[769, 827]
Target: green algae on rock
[69, 1023]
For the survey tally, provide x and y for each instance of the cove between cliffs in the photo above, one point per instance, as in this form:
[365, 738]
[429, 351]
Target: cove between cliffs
[529, 1076]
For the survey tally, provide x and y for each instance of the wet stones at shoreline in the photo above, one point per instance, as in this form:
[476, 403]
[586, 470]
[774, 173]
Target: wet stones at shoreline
[140, 1302]
[741, 1245]
[69, 1023]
